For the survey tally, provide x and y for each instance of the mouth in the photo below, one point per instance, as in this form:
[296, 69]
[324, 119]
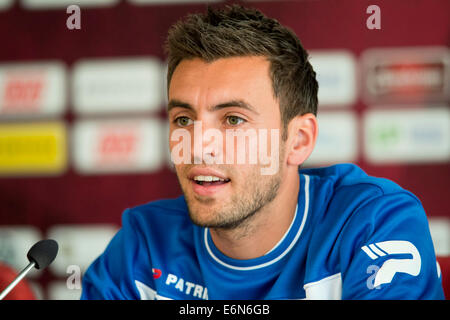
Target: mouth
[207, 182]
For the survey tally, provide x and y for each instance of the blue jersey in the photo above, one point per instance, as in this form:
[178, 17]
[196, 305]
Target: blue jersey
[352, 237]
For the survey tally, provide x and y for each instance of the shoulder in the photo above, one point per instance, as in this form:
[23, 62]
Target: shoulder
[350, 175]
[359, 224]
[346, 186]
[349, 208]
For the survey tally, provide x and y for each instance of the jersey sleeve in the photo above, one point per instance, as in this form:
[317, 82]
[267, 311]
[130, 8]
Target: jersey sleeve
[386, 251]
[112, 276]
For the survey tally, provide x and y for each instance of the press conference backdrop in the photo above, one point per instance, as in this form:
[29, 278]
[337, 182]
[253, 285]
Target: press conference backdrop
[83, 132]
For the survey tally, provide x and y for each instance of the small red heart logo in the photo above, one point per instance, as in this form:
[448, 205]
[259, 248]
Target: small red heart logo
[156, 273]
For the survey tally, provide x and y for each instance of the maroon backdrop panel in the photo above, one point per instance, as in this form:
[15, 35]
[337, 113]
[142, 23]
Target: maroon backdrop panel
[127, 30]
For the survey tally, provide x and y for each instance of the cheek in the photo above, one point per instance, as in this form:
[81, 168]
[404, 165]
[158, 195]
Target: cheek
[241, 149]
[181, 172]
[245, 176]
[261, 148]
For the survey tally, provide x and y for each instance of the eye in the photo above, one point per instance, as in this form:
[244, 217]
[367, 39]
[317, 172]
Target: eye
[234, 120]
[183, 121]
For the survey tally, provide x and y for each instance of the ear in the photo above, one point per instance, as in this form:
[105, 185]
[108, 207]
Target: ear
[301, 140]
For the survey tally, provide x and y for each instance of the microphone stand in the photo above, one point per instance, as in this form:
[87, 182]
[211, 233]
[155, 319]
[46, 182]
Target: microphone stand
[17, 279]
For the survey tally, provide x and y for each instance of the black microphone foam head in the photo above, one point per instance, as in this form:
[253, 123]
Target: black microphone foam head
[43, 253]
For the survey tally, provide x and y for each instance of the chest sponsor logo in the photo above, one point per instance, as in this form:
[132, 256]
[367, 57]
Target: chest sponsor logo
[189, 288]
[156, 273]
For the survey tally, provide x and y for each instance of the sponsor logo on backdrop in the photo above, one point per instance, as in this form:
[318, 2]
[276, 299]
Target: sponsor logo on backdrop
[403, 75]
[33, 148]
[108, 146]
[5, 4]
[407, 135]
[440, 234]
[52, 4]
[105, 86]
[337, 140]
[79, 245]
[117, 145]
[32, 89]
[336, 74]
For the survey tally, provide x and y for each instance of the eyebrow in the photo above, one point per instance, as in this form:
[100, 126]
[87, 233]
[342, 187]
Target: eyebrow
[174, 103]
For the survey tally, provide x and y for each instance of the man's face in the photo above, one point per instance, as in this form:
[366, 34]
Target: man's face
[225, 95]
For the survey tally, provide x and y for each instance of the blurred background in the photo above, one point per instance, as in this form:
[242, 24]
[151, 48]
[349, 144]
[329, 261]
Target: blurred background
[83, 131]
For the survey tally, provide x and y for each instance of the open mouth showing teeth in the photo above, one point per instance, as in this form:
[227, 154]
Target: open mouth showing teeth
[209, 180]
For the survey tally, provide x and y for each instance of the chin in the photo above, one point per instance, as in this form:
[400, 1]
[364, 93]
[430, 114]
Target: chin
[201, 219]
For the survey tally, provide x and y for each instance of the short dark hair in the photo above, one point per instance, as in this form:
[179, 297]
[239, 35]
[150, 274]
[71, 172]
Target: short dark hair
[236, 31]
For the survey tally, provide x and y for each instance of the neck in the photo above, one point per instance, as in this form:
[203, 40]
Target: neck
[262, 231]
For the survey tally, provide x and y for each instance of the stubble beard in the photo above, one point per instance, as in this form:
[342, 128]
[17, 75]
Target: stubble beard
[239, 211]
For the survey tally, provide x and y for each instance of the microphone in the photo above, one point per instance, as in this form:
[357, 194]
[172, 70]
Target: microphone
[41, 254]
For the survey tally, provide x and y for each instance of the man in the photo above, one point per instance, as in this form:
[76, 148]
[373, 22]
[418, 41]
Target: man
[260, 229]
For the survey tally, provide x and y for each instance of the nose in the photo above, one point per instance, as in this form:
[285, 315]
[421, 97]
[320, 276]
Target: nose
[208, 143]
